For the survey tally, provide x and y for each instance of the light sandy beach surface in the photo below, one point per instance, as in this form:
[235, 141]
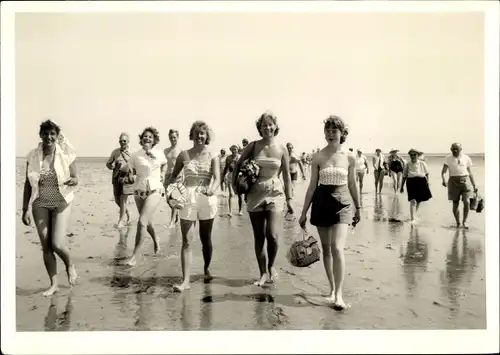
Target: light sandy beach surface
[431, 276]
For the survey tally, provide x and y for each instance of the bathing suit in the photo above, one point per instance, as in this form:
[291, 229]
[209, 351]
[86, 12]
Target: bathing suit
[145, 193]
[267, 193]
[331, 201]
[198, 205]
[49, 196]
[396, 165]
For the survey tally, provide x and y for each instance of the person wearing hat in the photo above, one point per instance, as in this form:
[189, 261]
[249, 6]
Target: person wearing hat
[416, 176]
[461, 181]
[379, 167]
[361, 169]
[396, 166]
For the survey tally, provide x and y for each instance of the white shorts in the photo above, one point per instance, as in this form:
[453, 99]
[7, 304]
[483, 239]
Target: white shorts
[198, 206]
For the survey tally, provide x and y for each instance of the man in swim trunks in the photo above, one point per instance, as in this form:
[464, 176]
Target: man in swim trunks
[171, 154]
[295, 163]
[119, 157]
[461, 181]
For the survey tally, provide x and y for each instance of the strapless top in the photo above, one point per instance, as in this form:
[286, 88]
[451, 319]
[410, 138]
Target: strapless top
[332, 175]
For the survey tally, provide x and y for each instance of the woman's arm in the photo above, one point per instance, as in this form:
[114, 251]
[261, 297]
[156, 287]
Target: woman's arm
[287, 180]
[26, 192]
[351, 180]
[245, 154]
[366, 165]
[179, 165]
[216, 173]
[312, 186]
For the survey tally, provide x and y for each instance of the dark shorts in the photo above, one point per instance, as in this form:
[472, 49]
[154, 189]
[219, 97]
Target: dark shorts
[459, 186]
[294, 176]
[396, 168]
[418, 189]
[119, 190]
[331, 205]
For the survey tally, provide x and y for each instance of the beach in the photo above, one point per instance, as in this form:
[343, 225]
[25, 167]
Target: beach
[431, 276]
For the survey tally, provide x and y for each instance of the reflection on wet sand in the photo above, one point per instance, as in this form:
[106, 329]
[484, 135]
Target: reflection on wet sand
[415, 260]
[206, 309]
[378, 209]
[187, 318]
[460, 265]
[59, 321]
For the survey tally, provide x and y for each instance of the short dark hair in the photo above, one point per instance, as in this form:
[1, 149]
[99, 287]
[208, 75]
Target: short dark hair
[154, 132]
[272, 117]
[173, 131]
[49, 125]
[202, 125]
[334, 121]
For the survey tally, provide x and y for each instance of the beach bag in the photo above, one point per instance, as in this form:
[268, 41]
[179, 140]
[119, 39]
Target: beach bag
[304, 252]
[473, 202]
[126, 179]
[480, 205]
[176, 195]
[248, 174]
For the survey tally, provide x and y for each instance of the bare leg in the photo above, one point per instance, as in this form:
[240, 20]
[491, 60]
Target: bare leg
[361, 178]
[394, 182]
[412, 211]
[400, 177]
[381, 181]
[274, 221]
[59, 227]
[146, 209]
[206, 243]
[456, 213]
[376, 174]
[122, 199]
[42, 219]
[466, 204]
[151, 230]
[186, 254]
[258, 220]
[240, 205]
[338, 235]
[326, 246]
[416, 210]
[229, 198]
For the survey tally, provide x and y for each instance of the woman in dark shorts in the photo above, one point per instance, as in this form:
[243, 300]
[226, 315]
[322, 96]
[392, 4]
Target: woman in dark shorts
[333, 179]
[416, 176]
[396, 166]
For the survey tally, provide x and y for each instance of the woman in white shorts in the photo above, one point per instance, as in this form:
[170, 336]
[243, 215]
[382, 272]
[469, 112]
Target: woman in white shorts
[202, 178]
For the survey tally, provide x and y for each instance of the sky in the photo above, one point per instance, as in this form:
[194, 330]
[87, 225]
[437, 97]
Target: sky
[399, 80]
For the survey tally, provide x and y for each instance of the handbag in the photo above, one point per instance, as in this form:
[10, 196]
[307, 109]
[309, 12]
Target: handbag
[126, 179]
[304, 252]
[248, 174]
[176, 195]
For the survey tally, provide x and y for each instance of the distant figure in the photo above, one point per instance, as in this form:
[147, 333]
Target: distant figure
[416, 176]
[244, 143]
[379, 167]
[51, 178]
[295, 164]
[171, 154]
[396, 166]
[222, 162]
[460, 182]
[361, 169]
[227, 174]
[351, 149]
[421, 156]
[119, 158]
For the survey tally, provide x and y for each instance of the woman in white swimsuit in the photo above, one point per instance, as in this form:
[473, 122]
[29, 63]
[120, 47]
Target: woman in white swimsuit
[48, 193]
[266, 198]
[202, 178]
[150, 164]
[333, 179]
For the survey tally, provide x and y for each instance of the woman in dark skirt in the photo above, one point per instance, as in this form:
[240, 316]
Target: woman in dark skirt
[332, 185]
[416, 176]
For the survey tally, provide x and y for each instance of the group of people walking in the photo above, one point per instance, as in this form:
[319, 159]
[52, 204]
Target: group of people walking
[149, 174]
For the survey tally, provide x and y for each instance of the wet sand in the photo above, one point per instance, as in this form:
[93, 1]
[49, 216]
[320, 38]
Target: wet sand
[428, 277]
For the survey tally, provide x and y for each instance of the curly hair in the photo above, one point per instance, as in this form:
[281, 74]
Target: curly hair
[49, 125]
[154, 132]
[201, 125]
[234, 146]
[267, 115]
[335, 122]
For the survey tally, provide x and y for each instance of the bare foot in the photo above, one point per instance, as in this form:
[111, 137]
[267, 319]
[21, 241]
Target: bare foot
[183, 286]
[229, 215]
[330, 297]
[240, 213]
[339, 304]
[208, 276]
[156, 246]
[50, 291]
[72, 275]
[121, 224]
[263, 279]
[465, 226]
[274, 275]
[131, 262]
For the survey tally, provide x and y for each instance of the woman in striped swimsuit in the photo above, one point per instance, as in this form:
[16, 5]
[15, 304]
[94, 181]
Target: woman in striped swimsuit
[202, 178]
[266, 198]
[150, 164]
[48, 192]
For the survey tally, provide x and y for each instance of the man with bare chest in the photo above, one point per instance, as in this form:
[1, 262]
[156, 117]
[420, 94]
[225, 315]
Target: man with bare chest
[171, 154]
